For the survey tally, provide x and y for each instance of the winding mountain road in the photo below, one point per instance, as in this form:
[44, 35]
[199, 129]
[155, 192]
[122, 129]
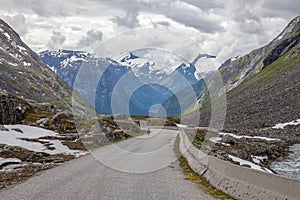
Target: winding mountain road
[140, 168]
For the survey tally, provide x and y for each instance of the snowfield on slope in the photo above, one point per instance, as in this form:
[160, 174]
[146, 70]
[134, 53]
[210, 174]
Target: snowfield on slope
[282, 125]
[14, 138]
[249, 137]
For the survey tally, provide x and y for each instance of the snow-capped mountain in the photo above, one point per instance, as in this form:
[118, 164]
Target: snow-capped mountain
[65, 58]
[66, 63]
[162, 80]
[144, 69]
[150, 71]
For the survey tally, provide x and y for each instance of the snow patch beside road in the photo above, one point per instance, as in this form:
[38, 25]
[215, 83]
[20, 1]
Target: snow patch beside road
[9, 160]
[13, 138]
[245, 162]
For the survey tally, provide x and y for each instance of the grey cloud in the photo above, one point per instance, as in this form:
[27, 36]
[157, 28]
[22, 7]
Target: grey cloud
[192, 18]
[56, 40]
[170, 9]
[248, 21]
[91, 37]
[129, 20]
[163, 23]
[174, 10]
[18, 22]
[291, 6]
[234, 27]
[75, 28]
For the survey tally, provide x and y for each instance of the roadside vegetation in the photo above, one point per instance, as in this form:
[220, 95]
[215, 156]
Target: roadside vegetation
[191, 175]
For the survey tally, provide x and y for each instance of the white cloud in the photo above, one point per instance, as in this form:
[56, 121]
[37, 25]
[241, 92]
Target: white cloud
[223, 28]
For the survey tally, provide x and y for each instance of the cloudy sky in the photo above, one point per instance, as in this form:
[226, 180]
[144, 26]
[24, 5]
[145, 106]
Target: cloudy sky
[222, 28]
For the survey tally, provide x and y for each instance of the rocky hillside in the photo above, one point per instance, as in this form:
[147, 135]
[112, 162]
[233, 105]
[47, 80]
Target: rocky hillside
[262, 86]
[25, 75]
[235, 70]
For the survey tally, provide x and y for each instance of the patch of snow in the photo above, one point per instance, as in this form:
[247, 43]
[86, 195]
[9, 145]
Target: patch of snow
[259, 159]
[9, 160]
[279, 38]
[74, 59]
[181, 126]
[282, 125]
[26, 64]
[21, 48]
[12, 64]
[218, 140]
[245, 162]
[53, 69]
[7, 35]
[155, 68]
[12, 138]
[215, 139]
[249, 137]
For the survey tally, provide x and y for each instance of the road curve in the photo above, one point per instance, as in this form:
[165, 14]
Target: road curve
[142, 168]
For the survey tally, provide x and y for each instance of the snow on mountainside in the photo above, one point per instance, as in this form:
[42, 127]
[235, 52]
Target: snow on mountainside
[24, 74]
[66, 64]
[165, 72]
[144, 69]
[64, 58]
[150, 71]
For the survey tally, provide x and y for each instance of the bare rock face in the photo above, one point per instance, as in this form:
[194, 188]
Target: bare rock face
[12, 109]
[228, 139]
[62, 116]
[17, 130]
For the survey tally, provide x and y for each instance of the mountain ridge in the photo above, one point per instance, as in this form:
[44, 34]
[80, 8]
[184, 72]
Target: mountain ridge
[23, 73]
[245, 108]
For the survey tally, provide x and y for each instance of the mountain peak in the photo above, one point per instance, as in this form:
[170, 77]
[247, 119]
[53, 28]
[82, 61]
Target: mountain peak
[130, 56]
[8, 29]
[201, 56]
[291, 30]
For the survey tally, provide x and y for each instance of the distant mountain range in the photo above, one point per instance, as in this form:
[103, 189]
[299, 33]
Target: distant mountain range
[158, 83]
